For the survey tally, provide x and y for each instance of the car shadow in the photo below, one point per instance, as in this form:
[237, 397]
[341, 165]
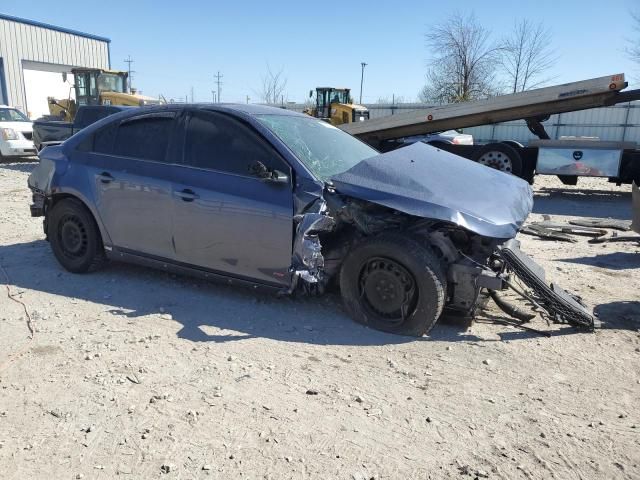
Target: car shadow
[210, 312]
[619, 315]
[583, 203]
[207, 312]
[25, 166]
[610, 261]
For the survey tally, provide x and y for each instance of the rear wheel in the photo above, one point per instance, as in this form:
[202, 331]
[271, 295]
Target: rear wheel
[74, 237]
[393, 283]
[500, 156]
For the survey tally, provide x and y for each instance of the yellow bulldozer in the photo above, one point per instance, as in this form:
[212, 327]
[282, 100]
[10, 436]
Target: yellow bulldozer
[336, 106]
[96, 86]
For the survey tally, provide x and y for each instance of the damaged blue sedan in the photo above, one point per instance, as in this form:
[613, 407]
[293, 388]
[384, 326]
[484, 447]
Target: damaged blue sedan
[271, 198]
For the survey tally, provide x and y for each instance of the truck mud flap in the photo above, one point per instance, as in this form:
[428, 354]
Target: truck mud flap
[560, 305]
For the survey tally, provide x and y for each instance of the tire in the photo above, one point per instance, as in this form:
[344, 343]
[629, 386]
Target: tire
[500, 156]
[394, 263]
[74, 237]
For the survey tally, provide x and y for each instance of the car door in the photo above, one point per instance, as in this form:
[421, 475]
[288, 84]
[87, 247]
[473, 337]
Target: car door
[133, 182]
[227, 219]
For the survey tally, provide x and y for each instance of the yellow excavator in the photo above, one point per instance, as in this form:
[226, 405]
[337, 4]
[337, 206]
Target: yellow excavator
[335, 106]
[96, 86]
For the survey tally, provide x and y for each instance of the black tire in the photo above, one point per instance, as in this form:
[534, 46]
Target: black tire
[74, 236]
[395, 264]
[500, 156]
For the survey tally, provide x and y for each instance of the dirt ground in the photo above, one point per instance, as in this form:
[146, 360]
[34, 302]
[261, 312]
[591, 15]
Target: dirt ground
[133, 373]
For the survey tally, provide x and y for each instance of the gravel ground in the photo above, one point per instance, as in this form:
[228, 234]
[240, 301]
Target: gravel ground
[142, 374]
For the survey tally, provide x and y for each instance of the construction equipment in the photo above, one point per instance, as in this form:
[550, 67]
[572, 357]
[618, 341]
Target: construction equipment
[96, 86]
[568, 159]
[335, 106]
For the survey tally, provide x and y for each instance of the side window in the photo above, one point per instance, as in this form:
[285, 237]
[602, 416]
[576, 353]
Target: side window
[145, 138]
[219, 142]
[103, 139]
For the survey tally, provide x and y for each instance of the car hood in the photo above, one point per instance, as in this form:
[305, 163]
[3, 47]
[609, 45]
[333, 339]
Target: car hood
[427, 182]
[18, 126]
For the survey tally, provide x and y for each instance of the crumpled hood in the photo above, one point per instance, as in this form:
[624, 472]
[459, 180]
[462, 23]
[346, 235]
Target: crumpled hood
[427, 182]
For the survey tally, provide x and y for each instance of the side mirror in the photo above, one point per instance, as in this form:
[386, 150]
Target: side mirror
[64, 77]
[310, 93]
[279, 177]
[261, 171]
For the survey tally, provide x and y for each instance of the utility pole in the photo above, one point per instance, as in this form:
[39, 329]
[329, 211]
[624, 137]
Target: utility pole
[362, 80]
[191, 94]
[213, 96]
[129, 61]
[218, 76]
[248, 99]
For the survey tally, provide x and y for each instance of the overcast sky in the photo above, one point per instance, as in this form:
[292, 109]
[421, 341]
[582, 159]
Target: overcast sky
[180, 45]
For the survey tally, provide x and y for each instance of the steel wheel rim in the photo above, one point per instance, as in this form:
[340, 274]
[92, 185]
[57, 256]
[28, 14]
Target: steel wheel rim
[497, 160]
[387, 290]
[73, 237]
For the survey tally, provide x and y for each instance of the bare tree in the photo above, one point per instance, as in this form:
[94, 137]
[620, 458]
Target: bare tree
[463, 65]
[633, 45]
[527, 55]
[273, 86]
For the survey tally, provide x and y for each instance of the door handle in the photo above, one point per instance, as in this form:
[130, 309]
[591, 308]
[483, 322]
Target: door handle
[105, 177]
[187, 195]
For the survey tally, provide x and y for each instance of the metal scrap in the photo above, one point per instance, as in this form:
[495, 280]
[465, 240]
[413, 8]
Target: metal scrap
[623, 225]
[591, 227]
[546, 233]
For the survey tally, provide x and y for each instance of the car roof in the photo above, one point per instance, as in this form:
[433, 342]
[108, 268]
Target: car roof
[250, 109]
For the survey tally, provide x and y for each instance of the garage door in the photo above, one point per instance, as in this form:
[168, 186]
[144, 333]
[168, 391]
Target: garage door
[42, 81]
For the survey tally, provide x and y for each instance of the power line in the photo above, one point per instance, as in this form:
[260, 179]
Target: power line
[218, 76]
[129, 61]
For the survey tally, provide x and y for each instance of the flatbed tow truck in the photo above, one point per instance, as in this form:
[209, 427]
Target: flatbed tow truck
[566, 158]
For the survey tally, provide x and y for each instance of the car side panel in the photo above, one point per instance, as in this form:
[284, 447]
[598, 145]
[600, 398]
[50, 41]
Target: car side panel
[135, 206]
[237, 225]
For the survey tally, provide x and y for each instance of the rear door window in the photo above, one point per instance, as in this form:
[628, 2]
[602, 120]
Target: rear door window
[216, 141]
[145, 137]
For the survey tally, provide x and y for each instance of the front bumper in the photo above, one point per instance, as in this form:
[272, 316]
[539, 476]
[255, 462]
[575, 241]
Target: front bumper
[467, 279]
[38, 206]
[17, 148]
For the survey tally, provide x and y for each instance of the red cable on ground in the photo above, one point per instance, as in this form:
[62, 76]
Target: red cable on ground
[24, 307]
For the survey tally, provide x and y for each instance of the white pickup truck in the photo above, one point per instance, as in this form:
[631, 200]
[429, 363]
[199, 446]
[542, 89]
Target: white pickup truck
[16, 133]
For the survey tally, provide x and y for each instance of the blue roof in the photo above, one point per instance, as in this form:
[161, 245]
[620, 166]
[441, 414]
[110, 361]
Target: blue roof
[53, 27]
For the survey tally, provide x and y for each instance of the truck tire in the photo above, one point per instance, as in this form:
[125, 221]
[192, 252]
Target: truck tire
[74, 236]
[500, 156]
[393, 283]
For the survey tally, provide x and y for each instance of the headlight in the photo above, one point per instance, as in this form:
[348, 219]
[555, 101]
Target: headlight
[9, 134]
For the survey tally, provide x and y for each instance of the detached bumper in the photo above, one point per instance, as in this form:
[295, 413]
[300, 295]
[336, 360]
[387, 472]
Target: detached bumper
[560, 305]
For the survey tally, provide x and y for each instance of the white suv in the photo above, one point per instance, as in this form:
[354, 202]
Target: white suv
[16, 133]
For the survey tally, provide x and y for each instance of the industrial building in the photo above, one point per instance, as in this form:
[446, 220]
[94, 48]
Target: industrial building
[34, 55]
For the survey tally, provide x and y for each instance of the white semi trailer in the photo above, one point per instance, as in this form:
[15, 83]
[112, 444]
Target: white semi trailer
[566, 158]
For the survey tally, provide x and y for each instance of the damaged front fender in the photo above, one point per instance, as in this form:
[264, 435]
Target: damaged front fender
[308, 261]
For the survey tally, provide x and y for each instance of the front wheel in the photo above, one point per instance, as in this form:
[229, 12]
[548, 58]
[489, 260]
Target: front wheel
[393, 283]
